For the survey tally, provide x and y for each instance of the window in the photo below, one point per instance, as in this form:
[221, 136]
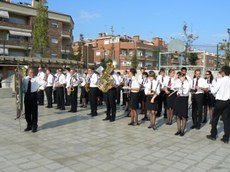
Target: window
[123, 52]
[54, 40]
[148, 54]
[106, 42]
[140, 64]
[54, 24]
[125, 63]
[53, 56]
[98, 53]
[106, 52]
[139, 53]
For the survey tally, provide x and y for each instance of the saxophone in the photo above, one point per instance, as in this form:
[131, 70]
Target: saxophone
[106, 79]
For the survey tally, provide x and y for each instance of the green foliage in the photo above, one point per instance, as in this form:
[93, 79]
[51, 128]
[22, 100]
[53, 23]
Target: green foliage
[227, 58]
[193, 57]
[40, 27]
[79, 55]
[134, 62]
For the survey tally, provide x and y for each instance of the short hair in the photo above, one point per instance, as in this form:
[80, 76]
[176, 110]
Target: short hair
[142, 68]
[133, 71]
[197, 70]
[226, 70]
[152, 74]
[67, 68]
[145, 73]
[48, 69]
[92, 68]
[161, 70]
[171, 70]
[183, 68]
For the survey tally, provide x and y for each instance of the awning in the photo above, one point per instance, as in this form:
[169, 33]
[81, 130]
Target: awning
[18, 33]
[4, 14]
[4, 51]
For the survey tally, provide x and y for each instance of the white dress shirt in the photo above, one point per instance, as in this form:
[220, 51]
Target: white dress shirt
[94, 80]
[50, 80]
[134, 84]
[201, 83]
[183, 88]
[116, 80]
[41, 75]
[221, 89]
[166, 82]
[152, 86]
[35, 84]
[73, 81]
[161, 79]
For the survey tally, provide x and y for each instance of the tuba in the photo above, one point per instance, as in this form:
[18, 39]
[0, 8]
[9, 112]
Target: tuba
[106, 79]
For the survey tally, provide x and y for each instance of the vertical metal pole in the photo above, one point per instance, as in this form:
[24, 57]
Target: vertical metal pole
[87, 55]
[217, 56]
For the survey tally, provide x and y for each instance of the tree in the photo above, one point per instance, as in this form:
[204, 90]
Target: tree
[40, 28]
[192, 57]
[80, 48]
[134, 62]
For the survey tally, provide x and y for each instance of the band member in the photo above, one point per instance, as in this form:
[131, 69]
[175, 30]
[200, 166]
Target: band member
[161, 97]
[30, 86]
[170, 95]
[199, 86]
[152, 90]
[119, 87]
[60, 83]
[125, 81]
[93, 91]
[209, 99]
[54, 88]
[182, 86]
[49, 87]
[110, 98]
[41, 76]
[134, 95]
[184, 72]
[140, 80]
[67, 77]
[142, 97]
[72, 89]
[84, 93]
[222, 105]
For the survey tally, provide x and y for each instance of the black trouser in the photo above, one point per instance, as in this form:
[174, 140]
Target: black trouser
[49, 91]
[221, 108]
[93, 93]
[67, 98]
[31, 109]
[110, 100]
[124, 98]
[118, 94]
[41, 97]
[55, 95]
[161, 99]
[197, 108]
[74, 99]
[60, 98]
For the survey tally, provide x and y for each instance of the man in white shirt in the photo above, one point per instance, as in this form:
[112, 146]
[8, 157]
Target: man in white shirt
[30, 86]
[61, 81]
[199, 86]
[93, 91]
[222, 105]
[161, 97]
[41, 76]
[67, 77]
[49, 87]
[72, 83]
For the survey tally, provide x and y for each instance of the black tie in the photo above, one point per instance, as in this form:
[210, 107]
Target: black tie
[29, 86]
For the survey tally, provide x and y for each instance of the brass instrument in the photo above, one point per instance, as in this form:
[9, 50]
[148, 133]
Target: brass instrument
[71, 88]
[106, 79]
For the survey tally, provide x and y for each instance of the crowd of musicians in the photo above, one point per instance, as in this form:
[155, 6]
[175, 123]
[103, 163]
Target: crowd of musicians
[167, 92]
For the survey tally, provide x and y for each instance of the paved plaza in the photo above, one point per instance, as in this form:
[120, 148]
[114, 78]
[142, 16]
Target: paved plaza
[68, 142]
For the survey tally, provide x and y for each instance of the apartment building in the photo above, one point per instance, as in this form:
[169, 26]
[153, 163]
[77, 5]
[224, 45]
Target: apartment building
[16, 22]
[122, 49]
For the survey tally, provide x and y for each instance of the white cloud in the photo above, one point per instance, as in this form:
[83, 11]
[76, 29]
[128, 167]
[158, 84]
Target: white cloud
[88, 15]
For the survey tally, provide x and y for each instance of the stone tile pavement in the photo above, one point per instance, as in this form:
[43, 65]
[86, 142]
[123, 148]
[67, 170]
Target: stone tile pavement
[68, 142]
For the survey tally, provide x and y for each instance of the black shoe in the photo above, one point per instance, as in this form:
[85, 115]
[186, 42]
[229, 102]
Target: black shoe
[182, 133]
[58, 108]
[73, 111]
[48, 106]
[90, 114]
[131, 123]
[144, 119]
[154, 128]
[150, 126]
[112, 120]
[106, 119]
[193, 126]
[70, 111]
[177, 133]
[62, 109]
[224, 140]
[94, 115]
[168, 123]
[28, 128]
[34, 129]
[210, 137]
[198, 127]
[204, 121]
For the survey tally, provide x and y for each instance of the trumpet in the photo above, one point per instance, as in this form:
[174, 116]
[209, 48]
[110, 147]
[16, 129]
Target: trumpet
[70, 90]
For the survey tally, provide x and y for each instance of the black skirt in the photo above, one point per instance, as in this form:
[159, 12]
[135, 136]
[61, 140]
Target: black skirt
[84, 93]
[181, 107]
[149, 105]
[209, 100]
[142, 96]
[134, 99]
[171, 99]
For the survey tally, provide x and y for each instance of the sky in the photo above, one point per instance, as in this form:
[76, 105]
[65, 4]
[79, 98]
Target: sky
[207, 19]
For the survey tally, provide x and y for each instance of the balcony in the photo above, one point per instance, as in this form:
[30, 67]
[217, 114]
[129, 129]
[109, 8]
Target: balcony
[16, 43]
[14, 25]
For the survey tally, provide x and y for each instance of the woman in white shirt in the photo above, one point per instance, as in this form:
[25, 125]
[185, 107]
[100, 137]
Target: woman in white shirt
[134, 94]
[152, 90]
[181, 103]
[209, 99]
